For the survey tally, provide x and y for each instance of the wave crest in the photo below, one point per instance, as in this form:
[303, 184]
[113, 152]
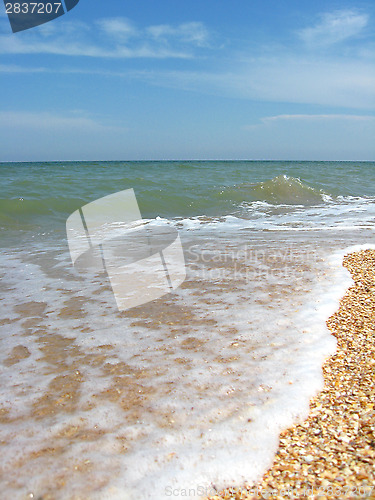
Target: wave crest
[281, 190]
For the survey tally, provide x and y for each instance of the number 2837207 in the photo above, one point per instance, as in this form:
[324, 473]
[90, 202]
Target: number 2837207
[33, 8]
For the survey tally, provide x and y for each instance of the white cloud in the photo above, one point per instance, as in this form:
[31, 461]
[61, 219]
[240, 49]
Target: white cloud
[35, 45]
[46, 136]
[52, 122]
[119, 28]
[77, 48]
[13, 68]
[194, 32]
[316, 118]
[335, 27]
[115, 38]
[286, 78]
[345, 83]
[342, 83]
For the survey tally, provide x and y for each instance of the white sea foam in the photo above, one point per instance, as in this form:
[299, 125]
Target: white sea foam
[343, 214]
[214, 389]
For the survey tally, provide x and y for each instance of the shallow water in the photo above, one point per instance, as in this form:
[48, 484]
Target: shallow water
[189, 391]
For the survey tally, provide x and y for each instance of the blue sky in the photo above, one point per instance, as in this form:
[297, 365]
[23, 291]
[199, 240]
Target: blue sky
[175, 79]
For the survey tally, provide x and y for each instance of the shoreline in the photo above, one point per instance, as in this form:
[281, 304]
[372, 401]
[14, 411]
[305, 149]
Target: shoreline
[332, 453]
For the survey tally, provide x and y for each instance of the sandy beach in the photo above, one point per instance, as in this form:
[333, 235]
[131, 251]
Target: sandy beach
[332, 453]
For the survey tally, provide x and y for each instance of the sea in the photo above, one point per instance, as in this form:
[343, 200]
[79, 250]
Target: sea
[185, 394]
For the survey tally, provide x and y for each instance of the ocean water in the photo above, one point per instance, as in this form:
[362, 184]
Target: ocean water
[188, 393]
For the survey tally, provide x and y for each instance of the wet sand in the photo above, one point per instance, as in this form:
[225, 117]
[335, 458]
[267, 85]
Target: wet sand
[332, 453]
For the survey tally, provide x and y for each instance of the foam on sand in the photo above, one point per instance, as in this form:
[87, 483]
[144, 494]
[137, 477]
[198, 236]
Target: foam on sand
[191, 391]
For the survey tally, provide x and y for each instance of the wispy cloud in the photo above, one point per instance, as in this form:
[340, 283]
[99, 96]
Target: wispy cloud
[313, 119]
[76, 48]
[313, 136]
[13, 68]
[317, 118]
[60, 135]
[53, 122]
[343, 83]
[285, 74]
[192, 33]
[115, 38]
[119, 28]
[286, 78]
[335, 27]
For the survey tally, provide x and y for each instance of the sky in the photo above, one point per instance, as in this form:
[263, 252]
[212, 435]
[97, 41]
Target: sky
[197, 79]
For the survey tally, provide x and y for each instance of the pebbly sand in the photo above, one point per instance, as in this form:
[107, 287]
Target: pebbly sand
[332, 453]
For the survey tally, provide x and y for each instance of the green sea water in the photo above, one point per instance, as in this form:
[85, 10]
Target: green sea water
[48, 192]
